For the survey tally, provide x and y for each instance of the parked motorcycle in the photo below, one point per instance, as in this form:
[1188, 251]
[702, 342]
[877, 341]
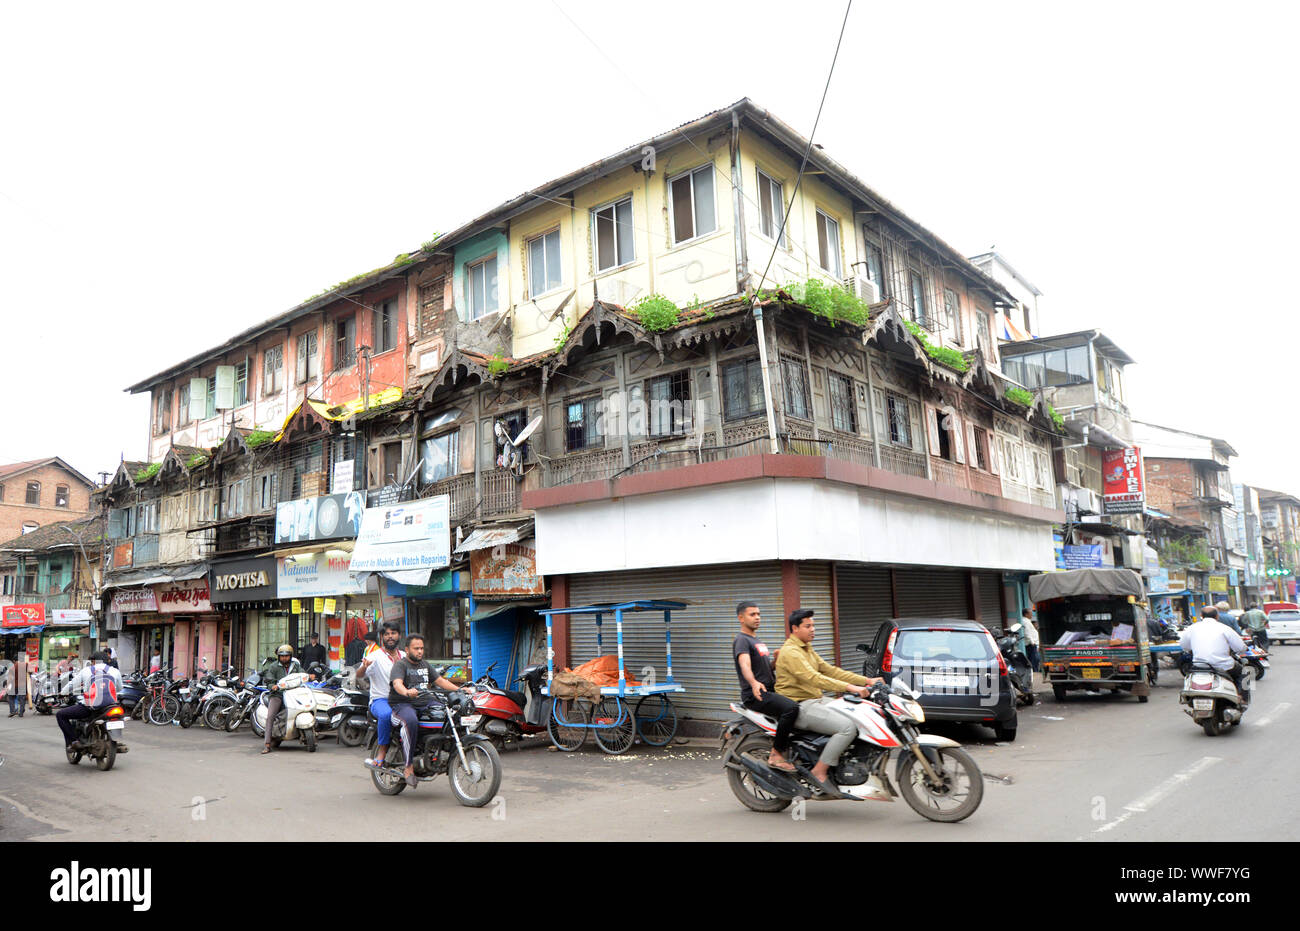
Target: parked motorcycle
[1019, 671]
[505, 715]
[936, 778]
[297, 718]
[1211, 698]
[100, 737]
[349, 716]
[46, 699]
[246, 699]
[444, 745]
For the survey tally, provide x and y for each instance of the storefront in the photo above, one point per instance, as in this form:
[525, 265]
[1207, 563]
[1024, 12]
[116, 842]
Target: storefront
[244, 591]
[439, 611]
[325, 598]
[137, 629]
[202, 635]
[505, 588]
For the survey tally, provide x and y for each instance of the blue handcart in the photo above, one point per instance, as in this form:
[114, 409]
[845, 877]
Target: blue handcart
[613, 721]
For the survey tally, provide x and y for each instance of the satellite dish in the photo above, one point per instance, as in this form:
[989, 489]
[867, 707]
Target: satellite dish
[510, 458]
[527, 431]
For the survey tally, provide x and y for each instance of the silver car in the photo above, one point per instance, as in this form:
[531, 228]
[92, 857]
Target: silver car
[1283, 624]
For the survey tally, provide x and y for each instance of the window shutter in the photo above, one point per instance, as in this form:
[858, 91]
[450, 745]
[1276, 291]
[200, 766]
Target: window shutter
[882, 421]
[914, 431]
[958, 440]
[198, 398]
[818, 389]
[487, 445]
[932, 426]
[225, 387]
[994, 459]
[972, 443]
[116, 524]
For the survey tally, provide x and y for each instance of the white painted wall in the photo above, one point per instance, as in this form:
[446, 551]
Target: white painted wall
[783, 519]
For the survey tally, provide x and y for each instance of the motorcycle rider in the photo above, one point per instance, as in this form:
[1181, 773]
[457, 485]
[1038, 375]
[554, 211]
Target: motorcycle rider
[1257, 621]
[758, 683]
[1215, 644]
[377, 667]
[272, 673]
[802, 675]
[410, 674]
[98, 683]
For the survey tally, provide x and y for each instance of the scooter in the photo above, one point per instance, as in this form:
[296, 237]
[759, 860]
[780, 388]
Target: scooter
[1210, 697]
[506, 716]
[100, 737]
[1019, 671]
[1256, 655]
[297, 719]
[936, 778]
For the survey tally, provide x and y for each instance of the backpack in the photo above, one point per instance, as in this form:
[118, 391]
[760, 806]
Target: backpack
[102, 690]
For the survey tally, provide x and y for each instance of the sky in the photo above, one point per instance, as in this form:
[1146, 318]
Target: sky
[175, 173]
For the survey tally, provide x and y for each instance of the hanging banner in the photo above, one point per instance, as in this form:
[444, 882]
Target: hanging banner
[330, 517]
[23, 615]
[410, 535]
[189, 597]
[1123, 491]
[1082, 557]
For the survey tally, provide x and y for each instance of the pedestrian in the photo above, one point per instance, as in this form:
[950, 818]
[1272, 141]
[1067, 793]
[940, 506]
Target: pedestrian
[111, 654]
[758, 683]
[1257, 621]
[155, 662]
[1226, 616]
[1030, 632]
[18, 686]
[314, 653]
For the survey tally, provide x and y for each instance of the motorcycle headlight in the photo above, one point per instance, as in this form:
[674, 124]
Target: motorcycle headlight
[915, 710]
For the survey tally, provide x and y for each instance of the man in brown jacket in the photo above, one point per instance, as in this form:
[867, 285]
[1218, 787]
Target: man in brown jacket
[802, 675]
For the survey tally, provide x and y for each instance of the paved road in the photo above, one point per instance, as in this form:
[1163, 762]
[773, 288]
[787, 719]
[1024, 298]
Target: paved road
[1092, 769]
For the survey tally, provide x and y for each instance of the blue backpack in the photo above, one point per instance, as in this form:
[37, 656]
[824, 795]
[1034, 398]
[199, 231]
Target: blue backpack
[101, 690]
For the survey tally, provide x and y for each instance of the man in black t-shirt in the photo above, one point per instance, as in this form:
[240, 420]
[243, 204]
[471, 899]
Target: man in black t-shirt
[410, 674]
[758, 683]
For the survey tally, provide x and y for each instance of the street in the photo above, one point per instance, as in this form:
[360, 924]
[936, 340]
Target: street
[1094, 769]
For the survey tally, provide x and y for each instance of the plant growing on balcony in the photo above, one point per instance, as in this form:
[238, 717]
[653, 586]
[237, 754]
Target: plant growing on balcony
[1187, 553]
[828, 301]
[148, 472]
[197, 460]
[497, 365]
[259, 438]
[1057, 419]
[1019, 396]
[944, 355]
[655, 312]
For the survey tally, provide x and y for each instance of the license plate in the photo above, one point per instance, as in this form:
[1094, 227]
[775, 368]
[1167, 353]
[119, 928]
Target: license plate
[185, 692]
[945, 682]
[1091, 672]
[1203, 704]
[1264, 663]
[115, 725]
[470, 720]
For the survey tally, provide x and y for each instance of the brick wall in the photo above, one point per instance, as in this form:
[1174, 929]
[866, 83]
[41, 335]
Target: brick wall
[14, 512]
[1178, 475]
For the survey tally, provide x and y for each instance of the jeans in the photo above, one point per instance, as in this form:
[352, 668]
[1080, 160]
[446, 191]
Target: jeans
[380, 708]
[67, 718]
[815, 716]
[1031, 653]
[786, 712]
[410, 719]
[18, 704]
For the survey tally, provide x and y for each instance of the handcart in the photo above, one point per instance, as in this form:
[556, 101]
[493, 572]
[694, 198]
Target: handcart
[613, 721]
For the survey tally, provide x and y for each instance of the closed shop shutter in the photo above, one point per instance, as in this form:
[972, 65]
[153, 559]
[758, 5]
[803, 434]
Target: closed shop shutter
[815, 593]
[991, 599]
[701, 633]
[865, 602]
[939, 593]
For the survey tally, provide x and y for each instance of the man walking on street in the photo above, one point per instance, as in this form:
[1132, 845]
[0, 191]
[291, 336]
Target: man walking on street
[758, 683]
[18, 686]
[802, 675]
[1030, 633]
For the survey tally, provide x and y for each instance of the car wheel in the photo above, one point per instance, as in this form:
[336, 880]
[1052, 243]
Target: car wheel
[1004, 734]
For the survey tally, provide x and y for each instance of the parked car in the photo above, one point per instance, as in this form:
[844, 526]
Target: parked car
[954, 664]
[1283, 624]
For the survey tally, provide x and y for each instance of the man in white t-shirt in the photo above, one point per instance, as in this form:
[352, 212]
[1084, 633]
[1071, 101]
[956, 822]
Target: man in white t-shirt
[1214, 643]
[377, 667]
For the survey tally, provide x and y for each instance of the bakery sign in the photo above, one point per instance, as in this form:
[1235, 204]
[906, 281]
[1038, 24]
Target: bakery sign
[183, 597]
[505, 571]
[1121, 481]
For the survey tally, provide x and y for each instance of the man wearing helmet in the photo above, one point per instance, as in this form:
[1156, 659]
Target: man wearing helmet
[284, 665]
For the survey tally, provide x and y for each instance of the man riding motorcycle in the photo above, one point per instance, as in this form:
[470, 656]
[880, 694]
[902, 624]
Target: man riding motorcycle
[272, 673]
[98, 684]
[803, 676]
[1215, 644]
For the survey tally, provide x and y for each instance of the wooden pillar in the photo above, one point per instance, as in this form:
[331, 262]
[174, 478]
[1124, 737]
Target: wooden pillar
[560, 622]
[789, 592]
[893, 592]
[835, 613]
[973, 596]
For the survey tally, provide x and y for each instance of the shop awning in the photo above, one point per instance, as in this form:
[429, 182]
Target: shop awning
[184, 573]
[34, 629]
[409, 576]
[486, 611]
[497, 535]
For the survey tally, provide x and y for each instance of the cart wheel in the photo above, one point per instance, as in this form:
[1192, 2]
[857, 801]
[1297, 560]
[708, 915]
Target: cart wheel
[618, 732]
[656, 720]
[567, 726]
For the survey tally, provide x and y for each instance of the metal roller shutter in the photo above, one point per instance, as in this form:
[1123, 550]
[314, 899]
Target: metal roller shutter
[815, 593]
[865, 602]
[701, 634]
[932, 593]
[991, 599]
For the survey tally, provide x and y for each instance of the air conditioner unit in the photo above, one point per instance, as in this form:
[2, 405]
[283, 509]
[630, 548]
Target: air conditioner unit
[863, 288]
[1133, 552]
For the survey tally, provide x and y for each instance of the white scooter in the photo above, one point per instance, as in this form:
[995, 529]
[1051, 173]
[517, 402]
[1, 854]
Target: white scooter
[298, 717]
[1210, 697]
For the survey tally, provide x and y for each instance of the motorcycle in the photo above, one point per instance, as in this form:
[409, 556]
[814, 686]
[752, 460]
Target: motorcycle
[297, 719]
[349, 716]
[99, 737]
[444, 745]
[325, 688]
[1019, 671]
[1211, 699]
[45, 698]
[1256, 655]
[936, 778]
[250, 693]
[506, 716]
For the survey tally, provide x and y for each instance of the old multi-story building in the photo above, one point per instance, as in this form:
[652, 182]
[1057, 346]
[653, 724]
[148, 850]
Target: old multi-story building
[40, 492]
[1280, 519]
[1020, 321]
[54, 569]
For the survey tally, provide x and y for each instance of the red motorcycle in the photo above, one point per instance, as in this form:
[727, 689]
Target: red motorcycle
[505, 715]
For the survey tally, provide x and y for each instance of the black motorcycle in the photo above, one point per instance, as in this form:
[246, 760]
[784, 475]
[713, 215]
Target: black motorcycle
[444, 745]
[99, 737]
[350, 716]
[1019, 671]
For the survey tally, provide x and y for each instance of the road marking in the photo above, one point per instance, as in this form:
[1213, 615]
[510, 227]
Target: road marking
[1160, 792]
[1273, 715]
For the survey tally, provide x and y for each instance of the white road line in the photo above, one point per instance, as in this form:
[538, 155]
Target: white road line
[1273, 715]
[1160, 792]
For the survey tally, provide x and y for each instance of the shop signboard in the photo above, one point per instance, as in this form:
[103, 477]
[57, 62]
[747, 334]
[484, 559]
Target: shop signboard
[1079, 557]
[507, 571]
[1232, 578]
[307, 575]
[134, 599]
[1177, 580]
[23, 615]
[1121, 479]
[243, 580]
[189, 597]
[1160, 581]
[1219, 583]
[70, 616]
[329, 517]
[409, 535]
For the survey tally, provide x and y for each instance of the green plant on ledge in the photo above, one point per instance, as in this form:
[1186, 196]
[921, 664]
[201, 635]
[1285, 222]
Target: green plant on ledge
[1020, 396]
[148, 472]
[197, 460]
[944, 355]
[564, 334]
[655, 312]
[1057, 419]
[259, 438]
[829, 301]
[497, 365]
[1189, 553]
